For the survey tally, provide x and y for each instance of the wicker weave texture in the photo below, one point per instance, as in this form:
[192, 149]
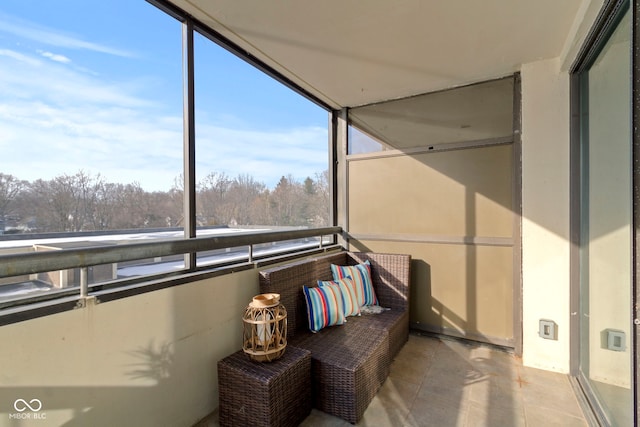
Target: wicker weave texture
[322, 265]
[288, 281]
[395, 322]
[349, 362]
[348, 369]
[265, 394]
[391, 274]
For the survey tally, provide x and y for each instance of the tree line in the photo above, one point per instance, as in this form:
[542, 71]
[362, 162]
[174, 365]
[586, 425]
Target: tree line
[86, 202]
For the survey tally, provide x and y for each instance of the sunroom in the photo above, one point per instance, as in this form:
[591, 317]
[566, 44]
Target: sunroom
[494, 142]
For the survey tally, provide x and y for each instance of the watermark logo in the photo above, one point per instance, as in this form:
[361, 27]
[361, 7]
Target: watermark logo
[28, 410]
[22, 405]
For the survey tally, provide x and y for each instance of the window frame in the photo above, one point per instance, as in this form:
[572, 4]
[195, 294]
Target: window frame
[41, 305]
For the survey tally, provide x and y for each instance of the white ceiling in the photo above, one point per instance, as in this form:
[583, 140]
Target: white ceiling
[355, 52]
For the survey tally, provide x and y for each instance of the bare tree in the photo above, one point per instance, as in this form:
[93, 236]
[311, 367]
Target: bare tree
[245, 196]
[214, 204]
[287, 201]
[10, 189]
[53, 204]
[85, 202]
[321, 200]
[176, 202]
[106, 205]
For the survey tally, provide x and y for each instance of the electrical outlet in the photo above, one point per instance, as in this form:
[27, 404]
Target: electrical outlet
[616, 340]
[548, 329]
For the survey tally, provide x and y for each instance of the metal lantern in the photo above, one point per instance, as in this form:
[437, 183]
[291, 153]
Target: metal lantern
[265, 328]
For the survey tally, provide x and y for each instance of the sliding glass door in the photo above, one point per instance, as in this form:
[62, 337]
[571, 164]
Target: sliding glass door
[606, 212]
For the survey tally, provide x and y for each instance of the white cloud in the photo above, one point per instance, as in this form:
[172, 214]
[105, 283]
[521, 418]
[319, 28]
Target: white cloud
[57, 120]
[55, 57]
[52, 37]
[19, 57]
[28, 77]
[265, 155]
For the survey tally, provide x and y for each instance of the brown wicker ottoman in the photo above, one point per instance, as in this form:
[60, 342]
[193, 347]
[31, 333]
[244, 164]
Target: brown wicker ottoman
[274, 393]
[348, 366]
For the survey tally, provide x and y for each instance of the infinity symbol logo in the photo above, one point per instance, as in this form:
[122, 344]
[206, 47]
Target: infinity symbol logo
[21, 405]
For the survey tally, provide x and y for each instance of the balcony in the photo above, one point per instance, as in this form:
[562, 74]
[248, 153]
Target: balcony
[176, 332]
[456, 134]
[438, 381]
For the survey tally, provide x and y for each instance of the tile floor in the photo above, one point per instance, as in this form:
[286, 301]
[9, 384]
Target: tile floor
[445, 382]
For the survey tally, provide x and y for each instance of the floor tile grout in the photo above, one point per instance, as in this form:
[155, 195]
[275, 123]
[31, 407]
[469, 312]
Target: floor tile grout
[496, 383]
[415, 395]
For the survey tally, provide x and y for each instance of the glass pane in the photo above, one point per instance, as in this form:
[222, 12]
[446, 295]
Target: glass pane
[91, 119]
[606, 235]
[469, 113]
[361, 143]
[261, 150]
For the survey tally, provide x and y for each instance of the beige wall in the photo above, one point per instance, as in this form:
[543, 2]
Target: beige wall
[454, 193]
[405, 203]
[545, 212]
[146, 360]
[546, 197]
[459, 290]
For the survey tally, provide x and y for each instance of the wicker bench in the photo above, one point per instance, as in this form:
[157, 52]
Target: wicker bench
[349, 362]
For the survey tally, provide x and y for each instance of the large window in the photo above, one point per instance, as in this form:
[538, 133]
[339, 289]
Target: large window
[261, 151]
[92, 112]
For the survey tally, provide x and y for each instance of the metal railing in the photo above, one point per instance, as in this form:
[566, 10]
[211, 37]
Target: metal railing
[83, 258]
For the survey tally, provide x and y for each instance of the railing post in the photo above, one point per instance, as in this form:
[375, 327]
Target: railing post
[189, 140]
[250, 253]
[84, 282]
[341, 199]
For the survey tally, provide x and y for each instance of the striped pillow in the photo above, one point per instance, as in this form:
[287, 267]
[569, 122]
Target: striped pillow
[324, 306]
[361, 275]
[349, 297]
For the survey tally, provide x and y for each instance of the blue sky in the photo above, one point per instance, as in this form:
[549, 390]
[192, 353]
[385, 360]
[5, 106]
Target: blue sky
[97, 86]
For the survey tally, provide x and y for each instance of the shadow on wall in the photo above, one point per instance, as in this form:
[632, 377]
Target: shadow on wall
[420, 287]
[84, 406]
[146, 360]
[441, 318]
[97, 375]
[153, 364]
[429, 313]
